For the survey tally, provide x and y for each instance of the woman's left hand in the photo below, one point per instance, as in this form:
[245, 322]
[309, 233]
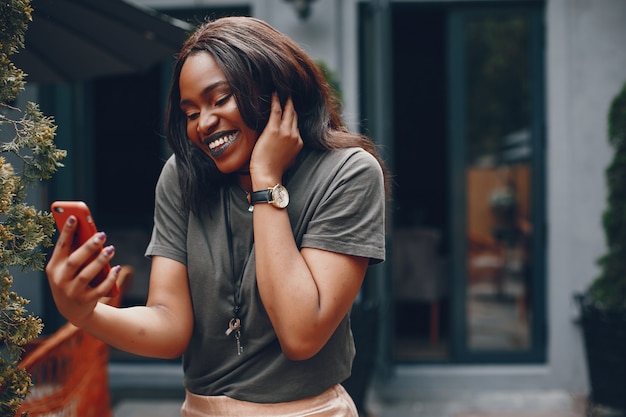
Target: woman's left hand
[277, 146]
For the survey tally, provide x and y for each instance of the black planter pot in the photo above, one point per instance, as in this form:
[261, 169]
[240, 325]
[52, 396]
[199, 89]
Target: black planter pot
[605, 344]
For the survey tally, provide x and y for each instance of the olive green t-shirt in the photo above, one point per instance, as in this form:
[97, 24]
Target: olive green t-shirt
[336, 204]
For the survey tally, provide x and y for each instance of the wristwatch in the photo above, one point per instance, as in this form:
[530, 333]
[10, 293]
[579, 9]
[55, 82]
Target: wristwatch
[276, 196]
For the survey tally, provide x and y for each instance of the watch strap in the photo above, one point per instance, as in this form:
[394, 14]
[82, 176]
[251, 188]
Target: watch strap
[263, 196]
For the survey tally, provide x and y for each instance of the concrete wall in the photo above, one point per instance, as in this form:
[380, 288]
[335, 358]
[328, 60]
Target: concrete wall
[586, 67]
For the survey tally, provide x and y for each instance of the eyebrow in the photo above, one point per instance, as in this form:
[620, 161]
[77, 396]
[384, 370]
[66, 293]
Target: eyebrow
[205, 92]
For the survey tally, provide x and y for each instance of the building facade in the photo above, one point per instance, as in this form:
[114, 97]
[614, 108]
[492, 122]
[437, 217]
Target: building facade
[492, 115]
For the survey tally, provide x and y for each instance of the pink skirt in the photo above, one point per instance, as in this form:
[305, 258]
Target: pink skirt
[334, 402]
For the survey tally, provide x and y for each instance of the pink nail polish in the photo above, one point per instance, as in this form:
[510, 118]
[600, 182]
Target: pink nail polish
[109, 250]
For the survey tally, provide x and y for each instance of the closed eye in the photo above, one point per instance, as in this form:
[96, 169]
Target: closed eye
[223, 100]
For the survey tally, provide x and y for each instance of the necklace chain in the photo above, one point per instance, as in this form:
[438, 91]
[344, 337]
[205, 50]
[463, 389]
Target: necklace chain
[234, 324]
[247, 194]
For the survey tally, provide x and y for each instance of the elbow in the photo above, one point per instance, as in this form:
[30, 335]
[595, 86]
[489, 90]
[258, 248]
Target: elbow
[174, 347]
[299, 354]
[299, 349]
[172, 353]
[171, 357]
[164, 351]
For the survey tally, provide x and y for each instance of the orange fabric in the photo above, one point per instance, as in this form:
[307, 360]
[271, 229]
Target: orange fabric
[69, 371]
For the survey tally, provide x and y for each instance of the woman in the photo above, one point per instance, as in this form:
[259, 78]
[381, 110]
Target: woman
[266, 219]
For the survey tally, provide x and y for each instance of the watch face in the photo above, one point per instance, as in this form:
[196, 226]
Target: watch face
[280, 196]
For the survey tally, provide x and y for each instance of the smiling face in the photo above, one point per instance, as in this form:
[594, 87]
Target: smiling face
[214, 123]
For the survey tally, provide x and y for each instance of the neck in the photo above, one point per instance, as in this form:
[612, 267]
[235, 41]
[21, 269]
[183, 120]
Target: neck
[245, 182]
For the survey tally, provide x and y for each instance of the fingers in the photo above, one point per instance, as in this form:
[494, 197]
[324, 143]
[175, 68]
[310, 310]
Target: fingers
[72, 270]
[105, 288]
[276, 109]
[79, 258]
[66, 237]
[277, 146]
[286, 119]
[94, 265]
[290, 117]
[286, 116]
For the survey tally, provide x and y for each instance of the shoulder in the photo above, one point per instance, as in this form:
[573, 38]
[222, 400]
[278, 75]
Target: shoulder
[169, 168]
[362, 157]
[168, 186]
[348, 159]
[169, 172]
[356, 162]
[330, 169]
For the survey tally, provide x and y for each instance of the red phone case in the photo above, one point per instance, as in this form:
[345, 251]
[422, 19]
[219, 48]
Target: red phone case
[61, 210]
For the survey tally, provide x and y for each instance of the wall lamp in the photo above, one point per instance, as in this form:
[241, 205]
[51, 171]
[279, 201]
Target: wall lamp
[302, 7]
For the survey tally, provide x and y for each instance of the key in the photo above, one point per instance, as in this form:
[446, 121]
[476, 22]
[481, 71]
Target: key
[238, 339]
[233, 324]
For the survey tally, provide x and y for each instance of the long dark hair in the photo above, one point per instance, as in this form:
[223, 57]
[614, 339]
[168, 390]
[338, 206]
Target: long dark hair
[256, 60]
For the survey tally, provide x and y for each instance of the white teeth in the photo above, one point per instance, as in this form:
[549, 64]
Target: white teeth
[219, 142]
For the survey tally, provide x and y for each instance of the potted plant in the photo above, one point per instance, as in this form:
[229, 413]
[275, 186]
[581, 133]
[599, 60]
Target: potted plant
[27, 156]
[603, 305]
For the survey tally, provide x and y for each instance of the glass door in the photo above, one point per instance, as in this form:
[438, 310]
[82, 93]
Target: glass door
[458, 107]
[495, 121]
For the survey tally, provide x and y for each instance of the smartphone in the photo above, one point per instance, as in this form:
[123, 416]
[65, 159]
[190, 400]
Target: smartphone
[61, 210]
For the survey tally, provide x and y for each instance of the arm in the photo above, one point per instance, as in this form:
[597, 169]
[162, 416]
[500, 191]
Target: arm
[306, 293]
[161, 329]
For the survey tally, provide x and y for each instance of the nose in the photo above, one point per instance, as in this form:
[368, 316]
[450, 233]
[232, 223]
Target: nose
[207, 122]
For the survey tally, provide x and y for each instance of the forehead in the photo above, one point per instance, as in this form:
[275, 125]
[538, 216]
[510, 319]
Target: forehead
[199, 71]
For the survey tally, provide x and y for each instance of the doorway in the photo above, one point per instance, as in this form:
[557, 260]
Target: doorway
[465, 86]
[420, 166]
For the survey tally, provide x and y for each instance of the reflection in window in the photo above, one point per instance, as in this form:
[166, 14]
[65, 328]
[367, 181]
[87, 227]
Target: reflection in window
[498, 179]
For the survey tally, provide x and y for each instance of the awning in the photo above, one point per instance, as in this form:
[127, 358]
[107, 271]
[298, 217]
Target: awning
[75, 40]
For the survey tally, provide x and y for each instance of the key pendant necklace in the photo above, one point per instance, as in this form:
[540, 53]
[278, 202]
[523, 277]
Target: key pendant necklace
[234, 324]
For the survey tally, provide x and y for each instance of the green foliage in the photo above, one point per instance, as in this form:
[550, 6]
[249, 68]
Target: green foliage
[498, 82]
[333, 83]
[14, 15]
[17, 328]
[609, 289]
[24, 231]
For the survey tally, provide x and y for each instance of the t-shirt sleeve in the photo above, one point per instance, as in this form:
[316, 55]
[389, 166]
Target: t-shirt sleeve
[350, 219]
[169, 234]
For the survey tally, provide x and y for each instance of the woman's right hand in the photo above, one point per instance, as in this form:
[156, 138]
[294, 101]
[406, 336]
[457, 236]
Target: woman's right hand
[70, 273]
[277, 146]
